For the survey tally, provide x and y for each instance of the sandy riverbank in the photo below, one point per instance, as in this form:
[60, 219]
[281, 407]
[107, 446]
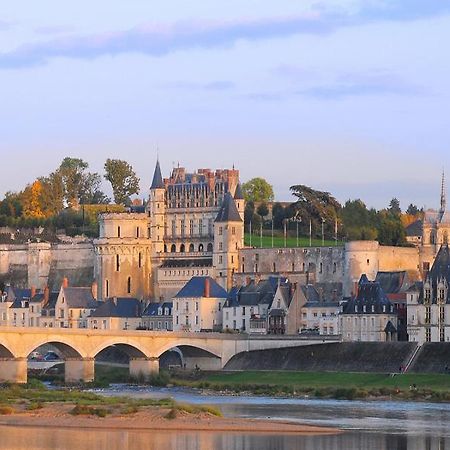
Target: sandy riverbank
[151, 418]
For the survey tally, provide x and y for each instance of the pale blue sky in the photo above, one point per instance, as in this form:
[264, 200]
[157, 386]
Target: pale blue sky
[349, 96]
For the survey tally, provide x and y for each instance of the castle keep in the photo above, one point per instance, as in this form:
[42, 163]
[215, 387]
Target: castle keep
[192, 225]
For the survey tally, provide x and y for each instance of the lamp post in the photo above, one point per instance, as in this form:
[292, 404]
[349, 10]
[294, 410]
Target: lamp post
[272, 231]
[323, 235]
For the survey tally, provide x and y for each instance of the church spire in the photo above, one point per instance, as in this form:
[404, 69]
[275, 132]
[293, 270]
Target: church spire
[443, 196]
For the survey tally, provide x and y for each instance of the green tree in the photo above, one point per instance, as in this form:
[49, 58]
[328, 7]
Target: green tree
[390, 229]
[313, 206]
[412, 210]
[359, 223]
[123, 179]
[72, 171]
[52, 194]
[91, 193]
[11, 205]
[262, 210]
[394, 207]
[258, 190]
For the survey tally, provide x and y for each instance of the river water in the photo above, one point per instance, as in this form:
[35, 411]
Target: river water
[368, 425]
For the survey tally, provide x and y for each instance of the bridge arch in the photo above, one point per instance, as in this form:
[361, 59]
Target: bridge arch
[65, 347]
[206, 349]
[132, 349]
[5, 352]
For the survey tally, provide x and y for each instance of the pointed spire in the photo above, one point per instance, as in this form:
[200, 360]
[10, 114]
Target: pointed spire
[238, 194]
[157, 182]
[443, 197]
[228, 212]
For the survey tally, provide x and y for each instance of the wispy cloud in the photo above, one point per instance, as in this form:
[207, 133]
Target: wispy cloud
[53, 30]
[218, 85]
[159, 40]
[374, 83]
[5, 25]
[363, 84]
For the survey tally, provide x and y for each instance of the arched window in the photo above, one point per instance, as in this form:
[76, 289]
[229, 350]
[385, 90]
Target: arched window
[106, 288]
[129, 285]
[173, 249]
[200, 248]
[210, 247]
[191, 248]
[165, 248]
[182, 248]
[117, 263]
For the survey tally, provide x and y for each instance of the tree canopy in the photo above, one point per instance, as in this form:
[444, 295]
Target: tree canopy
[123, 179]
[258, 190]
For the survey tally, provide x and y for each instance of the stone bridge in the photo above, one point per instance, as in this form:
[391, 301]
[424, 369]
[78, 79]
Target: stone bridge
[79, 348]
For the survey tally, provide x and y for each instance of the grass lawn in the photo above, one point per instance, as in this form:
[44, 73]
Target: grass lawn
[436, 382]
[291, 242]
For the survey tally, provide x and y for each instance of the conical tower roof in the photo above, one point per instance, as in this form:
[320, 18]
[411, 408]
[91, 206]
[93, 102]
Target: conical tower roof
[228, 212]
[239, 195]
[157, 182]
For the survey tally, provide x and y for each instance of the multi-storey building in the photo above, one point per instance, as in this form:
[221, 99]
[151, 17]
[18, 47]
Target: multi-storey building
[369, 316]
[429, 303]
[192, 226]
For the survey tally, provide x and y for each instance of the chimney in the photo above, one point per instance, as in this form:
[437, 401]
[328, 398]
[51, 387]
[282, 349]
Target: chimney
[46, 295]
[33, 292]
[65, 282]
[94, 290]
[207, 288]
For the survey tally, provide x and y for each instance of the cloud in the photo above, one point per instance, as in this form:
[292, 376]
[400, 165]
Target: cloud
[218, 85]
[47, 30]
[159, 40]
[356, 85]
[4, 25]
[374, 83]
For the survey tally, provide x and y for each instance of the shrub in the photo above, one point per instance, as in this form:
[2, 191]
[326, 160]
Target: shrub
[172, 414]
[33, 406]
[6, 410]
[85, 410]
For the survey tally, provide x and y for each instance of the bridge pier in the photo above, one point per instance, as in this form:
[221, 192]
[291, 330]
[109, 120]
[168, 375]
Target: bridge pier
[13, 370]
[79, 369]
[143, 367]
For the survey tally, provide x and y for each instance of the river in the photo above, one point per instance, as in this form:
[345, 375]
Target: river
[377, 425]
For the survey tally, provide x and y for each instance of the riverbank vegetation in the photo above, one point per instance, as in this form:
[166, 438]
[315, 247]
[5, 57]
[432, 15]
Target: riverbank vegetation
[35, 396]
[430, 387]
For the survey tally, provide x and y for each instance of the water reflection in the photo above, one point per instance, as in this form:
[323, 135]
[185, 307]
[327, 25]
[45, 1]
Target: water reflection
[16, 438]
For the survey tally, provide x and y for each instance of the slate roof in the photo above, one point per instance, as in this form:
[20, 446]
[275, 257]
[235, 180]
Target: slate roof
[195, 288]
[152, 309]
[239, 194]
[393, 282]
[414, 229]
[79, 297]
[440, 271]
[53, 297]
[119, 307]
[257, 294]
[157, 182]
[18, 294]
[228, 211]
[370, 295]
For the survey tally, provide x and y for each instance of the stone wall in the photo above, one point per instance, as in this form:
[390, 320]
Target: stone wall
[336, 357]
[44, 264]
